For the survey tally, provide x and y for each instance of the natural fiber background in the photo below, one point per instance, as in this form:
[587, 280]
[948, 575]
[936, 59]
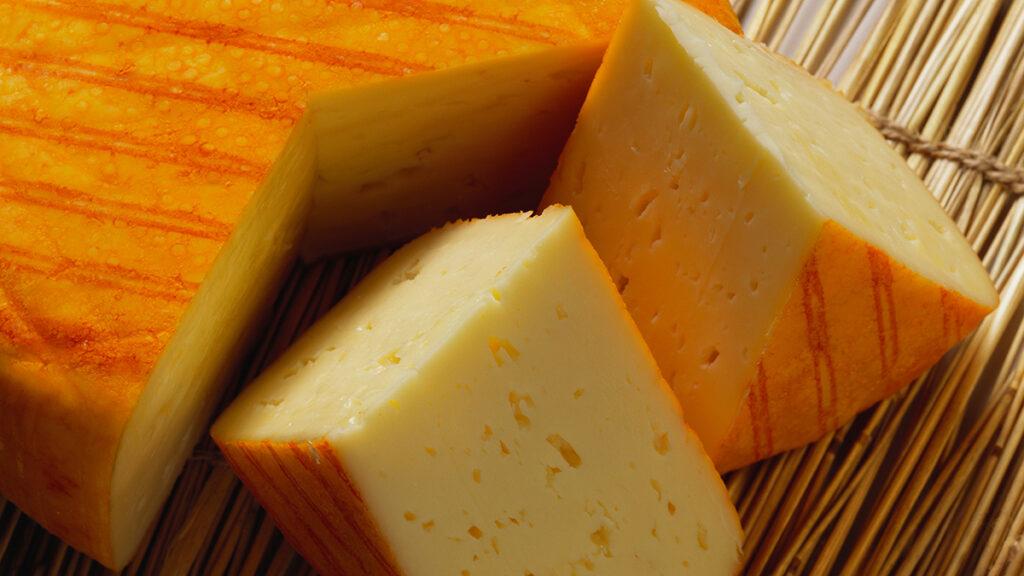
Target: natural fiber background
[930, 482]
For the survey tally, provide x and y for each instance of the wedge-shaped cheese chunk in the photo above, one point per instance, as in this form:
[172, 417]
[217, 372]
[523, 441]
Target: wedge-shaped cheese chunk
[161, 161]
[783, 263]
[482, 404]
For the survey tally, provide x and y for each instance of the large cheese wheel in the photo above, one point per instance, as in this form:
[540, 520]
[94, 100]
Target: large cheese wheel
[482, 403]
[159, 163]
[784, 264]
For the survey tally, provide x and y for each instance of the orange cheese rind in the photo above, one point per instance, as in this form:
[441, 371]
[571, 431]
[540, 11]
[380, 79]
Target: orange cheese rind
[838, 348]
[313, 502]
[136, 136]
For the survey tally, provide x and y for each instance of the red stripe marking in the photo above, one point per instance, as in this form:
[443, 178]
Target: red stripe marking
[71, 201]
[190, 218]
[79, 344]
[98, 274]
[226, 35]
[307, 462]
[311, 535]
[43, 65]
[329, 455]
[885, 309]
[467, 17]
[120, 271]
[760, 423]
[121, 142]
[755, 428]
[296, 489]
[950, 318]
[818, 344]
[99, 282]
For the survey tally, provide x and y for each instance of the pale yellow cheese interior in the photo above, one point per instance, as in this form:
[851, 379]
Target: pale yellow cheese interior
[184, 388]
[349, 177]
[400, 156]
[499, 414]
[331, 190]
[695, 142]
[834, 158]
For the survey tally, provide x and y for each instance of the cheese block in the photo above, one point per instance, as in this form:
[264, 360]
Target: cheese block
[480, 404]
[785, 266]
[160, 163]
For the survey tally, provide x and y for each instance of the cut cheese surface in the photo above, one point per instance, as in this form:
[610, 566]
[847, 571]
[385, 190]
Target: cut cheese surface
[785, 266]
[164, 162]
[482, 403]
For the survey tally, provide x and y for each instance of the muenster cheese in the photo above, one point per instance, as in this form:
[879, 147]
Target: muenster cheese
[481, 404]
[783, 263]
[160, 161]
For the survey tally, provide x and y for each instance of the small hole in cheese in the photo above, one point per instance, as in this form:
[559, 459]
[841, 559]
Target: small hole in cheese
[389, 359]
[516, 402]
[499, 345]
[622, 283]
[552, 472]
[711, 357]
[661, 445]
[702, 536]
[475, 532]
[688, 119]
[410, 273]
[673, 183]
[648, 68]
[568, 453]
[643, 202]
[600, 539]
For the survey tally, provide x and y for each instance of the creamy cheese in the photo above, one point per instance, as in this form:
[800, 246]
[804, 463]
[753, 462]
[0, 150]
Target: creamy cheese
[708, 173]
[491, 402]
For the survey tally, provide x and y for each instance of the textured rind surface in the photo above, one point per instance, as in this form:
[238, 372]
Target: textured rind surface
[130, 151]
[856, 328]
[305, 489]
[134, 134]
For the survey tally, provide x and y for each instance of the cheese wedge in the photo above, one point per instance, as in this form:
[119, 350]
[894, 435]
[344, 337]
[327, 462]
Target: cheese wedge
[785, 266]
[160, 163]
[482, 403]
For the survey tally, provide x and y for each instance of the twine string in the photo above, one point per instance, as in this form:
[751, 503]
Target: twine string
[987, 166]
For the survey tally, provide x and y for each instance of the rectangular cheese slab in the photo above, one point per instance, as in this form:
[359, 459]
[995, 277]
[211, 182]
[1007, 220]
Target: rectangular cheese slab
[160, 163]
[482, 404]
[785, 266]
